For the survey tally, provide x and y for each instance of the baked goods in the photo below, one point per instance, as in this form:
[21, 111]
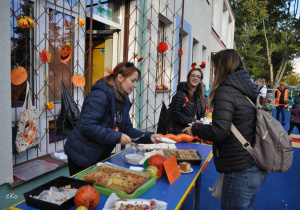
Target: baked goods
[182, 154]
[115, 179]
[185, 166]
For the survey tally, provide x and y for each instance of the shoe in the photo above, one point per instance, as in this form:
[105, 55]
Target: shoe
[283, 123]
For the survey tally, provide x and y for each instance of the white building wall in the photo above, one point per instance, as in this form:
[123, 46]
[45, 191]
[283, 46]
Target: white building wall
[6, 171]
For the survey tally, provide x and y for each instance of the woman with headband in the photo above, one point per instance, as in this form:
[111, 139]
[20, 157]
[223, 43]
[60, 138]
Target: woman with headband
[104, 120]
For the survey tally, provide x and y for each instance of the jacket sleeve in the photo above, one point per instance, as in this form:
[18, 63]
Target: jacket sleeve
[94, 111]
[176, 106]
[222, 118]
[297, 100]
[134, 133]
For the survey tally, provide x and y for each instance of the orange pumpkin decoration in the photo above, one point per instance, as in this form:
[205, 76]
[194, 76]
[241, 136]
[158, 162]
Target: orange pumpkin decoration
[25, 21]
[162, 47]
[81, 22]
[157, 160]
[18, 75]
[66, 53]
[87, 196]
[50, 105]
[78, 80]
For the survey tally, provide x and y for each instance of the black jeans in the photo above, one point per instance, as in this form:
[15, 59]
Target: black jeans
[73, 168]
[292, 125]
[282, 110]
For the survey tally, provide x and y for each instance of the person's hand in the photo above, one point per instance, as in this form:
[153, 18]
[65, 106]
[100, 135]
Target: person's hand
[188, 130]
[154, 138]
[125, 139]
[198, 121]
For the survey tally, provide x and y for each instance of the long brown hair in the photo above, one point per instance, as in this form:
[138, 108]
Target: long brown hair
[225, 63]
[199, 88]
[126, 69]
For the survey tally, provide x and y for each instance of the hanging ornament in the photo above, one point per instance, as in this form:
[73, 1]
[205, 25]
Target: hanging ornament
[81, 22]
[45, 56]
[162, 47]
[193, 65]
[135, 55]
[180, 52]
[159, 63]
[50, 105]
[78, 80]
[140, 59]
[203, 65]
[66, 53]
[25, 21]
[18, 75]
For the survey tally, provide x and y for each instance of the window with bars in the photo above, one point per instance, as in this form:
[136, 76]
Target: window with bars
[22, 41]
[60, 33]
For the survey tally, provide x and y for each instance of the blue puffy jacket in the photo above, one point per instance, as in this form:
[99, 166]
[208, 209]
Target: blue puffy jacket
[93, 138]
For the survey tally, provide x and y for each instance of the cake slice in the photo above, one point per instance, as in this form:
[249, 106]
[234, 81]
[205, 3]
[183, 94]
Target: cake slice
[185, 166]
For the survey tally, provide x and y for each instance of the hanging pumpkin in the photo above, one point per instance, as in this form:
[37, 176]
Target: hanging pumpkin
[81, 22]
[18, 75]
[162, 47]
[140, 59]
[25, 21]
[66, 53]
[78, 80]
[50, 105]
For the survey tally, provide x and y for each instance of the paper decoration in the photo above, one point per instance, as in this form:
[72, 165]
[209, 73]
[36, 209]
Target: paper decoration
[172, 169]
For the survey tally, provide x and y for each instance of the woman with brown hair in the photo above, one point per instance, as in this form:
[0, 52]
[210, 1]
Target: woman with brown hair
[104, 120]
[188, 104]
[232, 84]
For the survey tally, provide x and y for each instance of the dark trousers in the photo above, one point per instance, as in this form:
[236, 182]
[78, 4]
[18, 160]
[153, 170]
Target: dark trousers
[73, 168]
[282, 110]
[292, 125]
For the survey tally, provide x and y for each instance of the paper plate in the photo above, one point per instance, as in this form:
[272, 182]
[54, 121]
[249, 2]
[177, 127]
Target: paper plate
[186, 172]
[166, 140]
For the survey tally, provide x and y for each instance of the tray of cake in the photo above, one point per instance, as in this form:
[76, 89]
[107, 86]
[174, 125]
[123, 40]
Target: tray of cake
[191, 156]
[56, 194]
[123, 182]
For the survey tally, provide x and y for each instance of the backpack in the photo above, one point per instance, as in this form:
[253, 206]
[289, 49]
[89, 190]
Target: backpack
[272, 150]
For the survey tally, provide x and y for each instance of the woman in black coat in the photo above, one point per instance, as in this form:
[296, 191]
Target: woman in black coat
[104, 120]
[228, 98]
[188, 104]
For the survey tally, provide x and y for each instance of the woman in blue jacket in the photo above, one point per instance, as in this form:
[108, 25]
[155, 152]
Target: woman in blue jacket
[104, 120]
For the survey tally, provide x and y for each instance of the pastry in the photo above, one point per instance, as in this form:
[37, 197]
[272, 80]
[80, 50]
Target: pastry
[185, 166]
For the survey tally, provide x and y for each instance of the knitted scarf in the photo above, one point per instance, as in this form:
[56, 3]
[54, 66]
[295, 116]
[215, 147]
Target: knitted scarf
[120, 95]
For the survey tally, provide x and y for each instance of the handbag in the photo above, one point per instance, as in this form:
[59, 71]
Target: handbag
[216, 190]
[27, 131]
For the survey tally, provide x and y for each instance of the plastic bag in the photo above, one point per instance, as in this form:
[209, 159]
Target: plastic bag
[69, 113]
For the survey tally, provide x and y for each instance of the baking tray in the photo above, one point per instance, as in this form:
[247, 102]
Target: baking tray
[33, 169]
[106, 191]
[58, 182]
[192, 162]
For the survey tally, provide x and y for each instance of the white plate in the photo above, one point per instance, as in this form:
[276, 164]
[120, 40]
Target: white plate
[186, 172]
[166, 140]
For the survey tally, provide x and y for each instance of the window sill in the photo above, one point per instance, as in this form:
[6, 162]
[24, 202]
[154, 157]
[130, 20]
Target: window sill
[163, 91]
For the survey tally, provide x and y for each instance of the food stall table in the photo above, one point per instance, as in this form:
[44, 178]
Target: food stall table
[174, 194]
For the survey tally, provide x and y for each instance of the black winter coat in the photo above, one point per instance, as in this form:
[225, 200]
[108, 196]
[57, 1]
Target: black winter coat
[181, 113]
[93, 138]
[231, 106]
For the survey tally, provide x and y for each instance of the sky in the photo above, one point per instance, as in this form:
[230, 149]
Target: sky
[297, 65]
